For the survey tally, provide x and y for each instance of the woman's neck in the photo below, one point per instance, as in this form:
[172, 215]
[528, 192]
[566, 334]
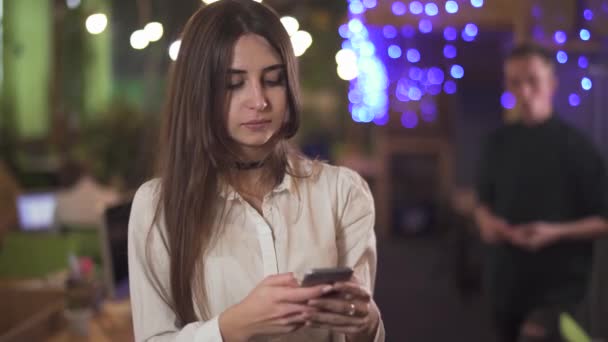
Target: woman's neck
[252, 182]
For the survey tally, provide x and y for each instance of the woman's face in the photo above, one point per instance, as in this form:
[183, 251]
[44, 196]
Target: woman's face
[257, 96]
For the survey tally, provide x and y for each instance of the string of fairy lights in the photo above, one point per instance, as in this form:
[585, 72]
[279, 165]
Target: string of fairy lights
[388, 68]
[97, 23]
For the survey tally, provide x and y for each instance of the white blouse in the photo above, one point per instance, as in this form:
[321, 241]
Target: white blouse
[325, 220]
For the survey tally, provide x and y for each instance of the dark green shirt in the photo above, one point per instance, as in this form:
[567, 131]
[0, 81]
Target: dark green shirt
[549, 172]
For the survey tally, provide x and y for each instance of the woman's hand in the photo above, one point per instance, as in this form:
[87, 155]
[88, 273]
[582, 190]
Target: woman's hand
[276, 306]
[350, 310]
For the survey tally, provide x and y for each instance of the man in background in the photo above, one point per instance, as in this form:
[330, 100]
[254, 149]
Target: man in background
[542, 200]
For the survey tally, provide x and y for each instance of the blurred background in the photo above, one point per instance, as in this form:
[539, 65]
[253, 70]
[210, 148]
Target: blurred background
[401, 91]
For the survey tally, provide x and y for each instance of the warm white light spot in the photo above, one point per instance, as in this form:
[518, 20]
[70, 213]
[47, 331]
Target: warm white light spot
[96, 23]
[301, 41]
[154, 31]
[139, 40]
[348, 71]
[174, 49]
[346, 56]
[291, 25]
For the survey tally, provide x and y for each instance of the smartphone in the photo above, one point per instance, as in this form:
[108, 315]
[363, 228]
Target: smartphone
[330, 275]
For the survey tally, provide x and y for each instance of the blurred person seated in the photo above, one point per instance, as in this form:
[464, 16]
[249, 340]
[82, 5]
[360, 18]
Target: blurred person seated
[83, 204]
[542, 201]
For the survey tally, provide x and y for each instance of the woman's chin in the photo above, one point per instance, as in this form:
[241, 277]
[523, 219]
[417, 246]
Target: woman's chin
[255, 146]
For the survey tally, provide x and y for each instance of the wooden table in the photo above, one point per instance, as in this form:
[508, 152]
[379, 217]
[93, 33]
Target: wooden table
[111, 324]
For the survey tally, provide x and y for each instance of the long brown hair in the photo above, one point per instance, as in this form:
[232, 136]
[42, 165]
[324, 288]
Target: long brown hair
[196, 149]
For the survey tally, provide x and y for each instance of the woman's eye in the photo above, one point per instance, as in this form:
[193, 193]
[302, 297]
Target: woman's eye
[275, 81]
[235, 83]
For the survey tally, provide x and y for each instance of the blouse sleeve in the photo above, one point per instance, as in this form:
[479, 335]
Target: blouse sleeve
[153, 319]
[356, 239]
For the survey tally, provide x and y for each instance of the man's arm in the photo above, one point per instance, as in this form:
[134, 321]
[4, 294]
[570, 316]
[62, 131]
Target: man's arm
[492, 228]
[591, 227]
[542, 234]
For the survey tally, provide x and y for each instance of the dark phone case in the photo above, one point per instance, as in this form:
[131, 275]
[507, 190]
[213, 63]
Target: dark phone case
[330, 275]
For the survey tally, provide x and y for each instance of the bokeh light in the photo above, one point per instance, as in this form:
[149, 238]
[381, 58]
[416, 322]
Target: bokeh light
[451, 7]
[586, 83]
[507, 100]
[574, 100]
[457, 71]
[409, 119]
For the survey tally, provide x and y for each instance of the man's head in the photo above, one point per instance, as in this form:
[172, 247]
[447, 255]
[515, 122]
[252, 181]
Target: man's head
[530, 77]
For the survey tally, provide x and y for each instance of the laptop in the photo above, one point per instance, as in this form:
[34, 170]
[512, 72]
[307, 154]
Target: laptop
[114, 242]
[37, 212]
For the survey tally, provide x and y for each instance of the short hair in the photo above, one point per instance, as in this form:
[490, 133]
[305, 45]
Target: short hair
[530, 50]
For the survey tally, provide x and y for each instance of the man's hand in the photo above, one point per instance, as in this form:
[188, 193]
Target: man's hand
[495, 230]
[536, 235]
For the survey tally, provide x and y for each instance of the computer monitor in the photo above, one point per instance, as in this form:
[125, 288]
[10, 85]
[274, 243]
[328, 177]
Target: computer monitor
[114, 242]
[37, 211]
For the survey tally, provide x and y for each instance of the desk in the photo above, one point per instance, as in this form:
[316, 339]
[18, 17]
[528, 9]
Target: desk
[111, 324]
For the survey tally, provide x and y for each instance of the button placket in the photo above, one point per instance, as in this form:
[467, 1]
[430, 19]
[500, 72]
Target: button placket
[266, 241]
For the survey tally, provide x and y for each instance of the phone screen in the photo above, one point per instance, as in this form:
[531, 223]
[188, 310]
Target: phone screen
[318, 276]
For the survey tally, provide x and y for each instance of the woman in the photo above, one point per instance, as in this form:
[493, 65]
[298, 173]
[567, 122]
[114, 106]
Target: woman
[216, 241]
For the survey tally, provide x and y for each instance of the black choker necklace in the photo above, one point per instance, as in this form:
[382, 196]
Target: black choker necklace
[249, 165]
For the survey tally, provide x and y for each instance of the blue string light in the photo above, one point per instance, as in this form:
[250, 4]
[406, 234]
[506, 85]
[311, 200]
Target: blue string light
[449, 87]
[466, 37]
[394, 51]
[416, 7]
[434, 89]
[451, 7]
[401, 90]
[449, 51]
[431, 9]
[588, 14]
[507, 100]
[425, 26]
[399, 8]
[562, 57]
[409, 119]
[435, 76]
[356, 7]
[471, 29]
[381, 120]
[560, 37]
[586, 83]
[583, 62]
[574, 100]
[477, 3]
[355, 96]
[413, 55]
[355, 25]
[415, 73]
[414, 93]
[367, 93]
[428, 109]
[457, 71]
[368, 97]
[369, 3]
[450, 33]
[389, 31]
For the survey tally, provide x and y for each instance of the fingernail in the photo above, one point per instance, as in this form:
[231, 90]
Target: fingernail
[327, 289]
[312, 302]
